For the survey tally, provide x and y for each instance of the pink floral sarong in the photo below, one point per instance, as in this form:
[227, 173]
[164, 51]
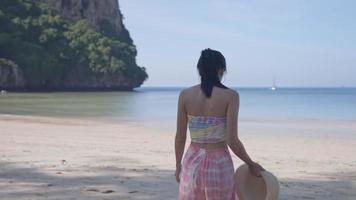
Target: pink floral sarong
[207, 174]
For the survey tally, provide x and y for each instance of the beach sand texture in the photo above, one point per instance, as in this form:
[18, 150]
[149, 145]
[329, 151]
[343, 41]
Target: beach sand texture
[50, 158]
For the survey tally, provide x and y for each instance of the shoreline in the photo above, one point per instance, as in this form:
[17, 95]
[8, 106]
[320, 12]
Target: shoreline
[315, 126]
[51, 158]
[262, 120]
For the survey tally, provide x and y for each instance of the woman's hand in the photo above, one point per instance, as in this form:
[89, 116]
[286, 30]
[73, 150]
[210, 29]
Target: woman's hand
[177, 173]
[255, 169]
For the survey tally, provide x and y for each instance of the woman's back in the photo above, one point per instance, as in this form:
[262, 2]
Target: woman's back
[207, 116]
[207, 173]
[197, 104]
[210, 109]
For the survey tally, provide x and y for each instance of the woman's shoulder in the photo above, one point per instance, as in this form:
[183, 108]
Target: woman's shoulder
[232, 92]
[189, 89]
[229, 92]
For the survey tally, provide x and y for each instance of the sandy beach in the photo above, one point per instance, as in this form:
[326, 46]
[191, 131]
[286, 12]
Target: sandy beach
[52, 158]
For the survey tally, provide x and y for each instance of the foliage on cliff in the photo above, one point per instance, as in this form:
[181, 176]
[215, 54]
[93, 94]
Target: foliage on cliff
[46, 46]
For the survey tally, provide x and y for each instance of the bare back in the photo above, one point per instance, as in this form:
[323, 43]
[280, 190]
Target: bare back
[197, 104]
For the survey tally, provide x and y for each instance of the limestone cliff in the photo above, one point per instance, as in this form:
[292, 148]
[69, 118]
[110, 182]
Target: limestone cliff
[11, 76]
[105, 15]
[49, 45]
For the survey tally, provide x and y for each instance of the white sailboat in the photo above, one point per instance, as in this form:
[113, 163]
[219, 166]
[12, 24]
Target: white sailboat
[274, 87]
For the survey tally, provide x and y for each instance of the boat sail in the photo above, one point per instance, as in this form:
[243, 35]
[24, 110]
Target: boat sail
[274, 87]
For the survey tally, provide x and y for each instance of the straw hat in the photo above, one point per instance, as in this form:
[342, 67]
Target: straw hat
[250, 187]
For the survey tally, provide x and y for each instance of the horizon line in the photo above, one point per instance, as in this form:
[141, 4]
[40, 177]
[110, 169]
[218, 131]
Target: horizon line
[160, 86]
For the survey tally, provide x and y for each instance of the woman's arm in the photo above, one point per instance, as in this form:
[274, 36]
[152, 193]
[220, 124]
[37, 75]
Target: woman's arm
[181, 133]
[232, 134]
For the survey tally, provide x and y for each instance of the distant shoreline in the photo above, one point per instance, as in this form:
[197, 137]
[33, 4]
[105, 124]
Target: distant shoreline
[46, 90]
[251, 87]
[161, 88]
[313, 127]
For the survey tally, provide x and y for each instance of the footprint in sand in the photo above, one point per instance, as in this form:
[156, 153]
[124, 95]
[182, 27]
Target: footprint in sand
[92, 190]
[107, 191]
[97, 190]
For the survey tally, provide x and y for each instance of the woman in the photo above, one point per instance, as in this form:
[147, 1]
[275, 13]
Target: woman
[210, 109]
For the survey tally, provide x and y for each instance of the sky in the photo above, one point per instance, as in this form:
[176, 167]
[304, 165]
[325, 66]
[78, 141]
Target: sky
[300, 43]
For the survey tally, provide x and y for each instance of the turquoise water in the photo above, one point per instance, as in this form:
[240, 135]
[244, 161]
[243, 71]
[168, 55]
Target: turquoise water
[152, 104]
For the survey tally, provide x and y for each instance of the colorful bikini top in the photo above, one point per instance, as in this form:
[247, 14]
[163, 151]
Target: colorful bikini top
[207, 129]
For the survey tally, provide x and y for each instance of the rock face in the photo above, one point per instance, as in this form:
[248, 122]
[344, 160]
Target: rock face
[106, 16]
[82, 79]
[11, 76]
[92, 10]
[103, 14]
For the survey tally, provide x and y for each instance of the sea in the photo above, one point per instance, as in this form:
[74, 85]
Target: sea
[159, 104]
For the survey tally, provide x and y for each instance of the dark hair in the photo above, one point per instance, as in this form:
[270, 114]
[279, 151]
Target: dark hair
[209, 63]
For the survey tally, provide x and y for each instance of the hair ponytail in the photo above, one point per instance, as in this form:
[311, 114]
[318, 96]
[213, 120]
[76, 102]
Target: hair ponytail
[209, 63]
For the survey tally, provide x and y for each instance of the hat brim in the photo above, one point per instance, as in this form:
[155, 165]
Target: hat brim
[250, 187]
